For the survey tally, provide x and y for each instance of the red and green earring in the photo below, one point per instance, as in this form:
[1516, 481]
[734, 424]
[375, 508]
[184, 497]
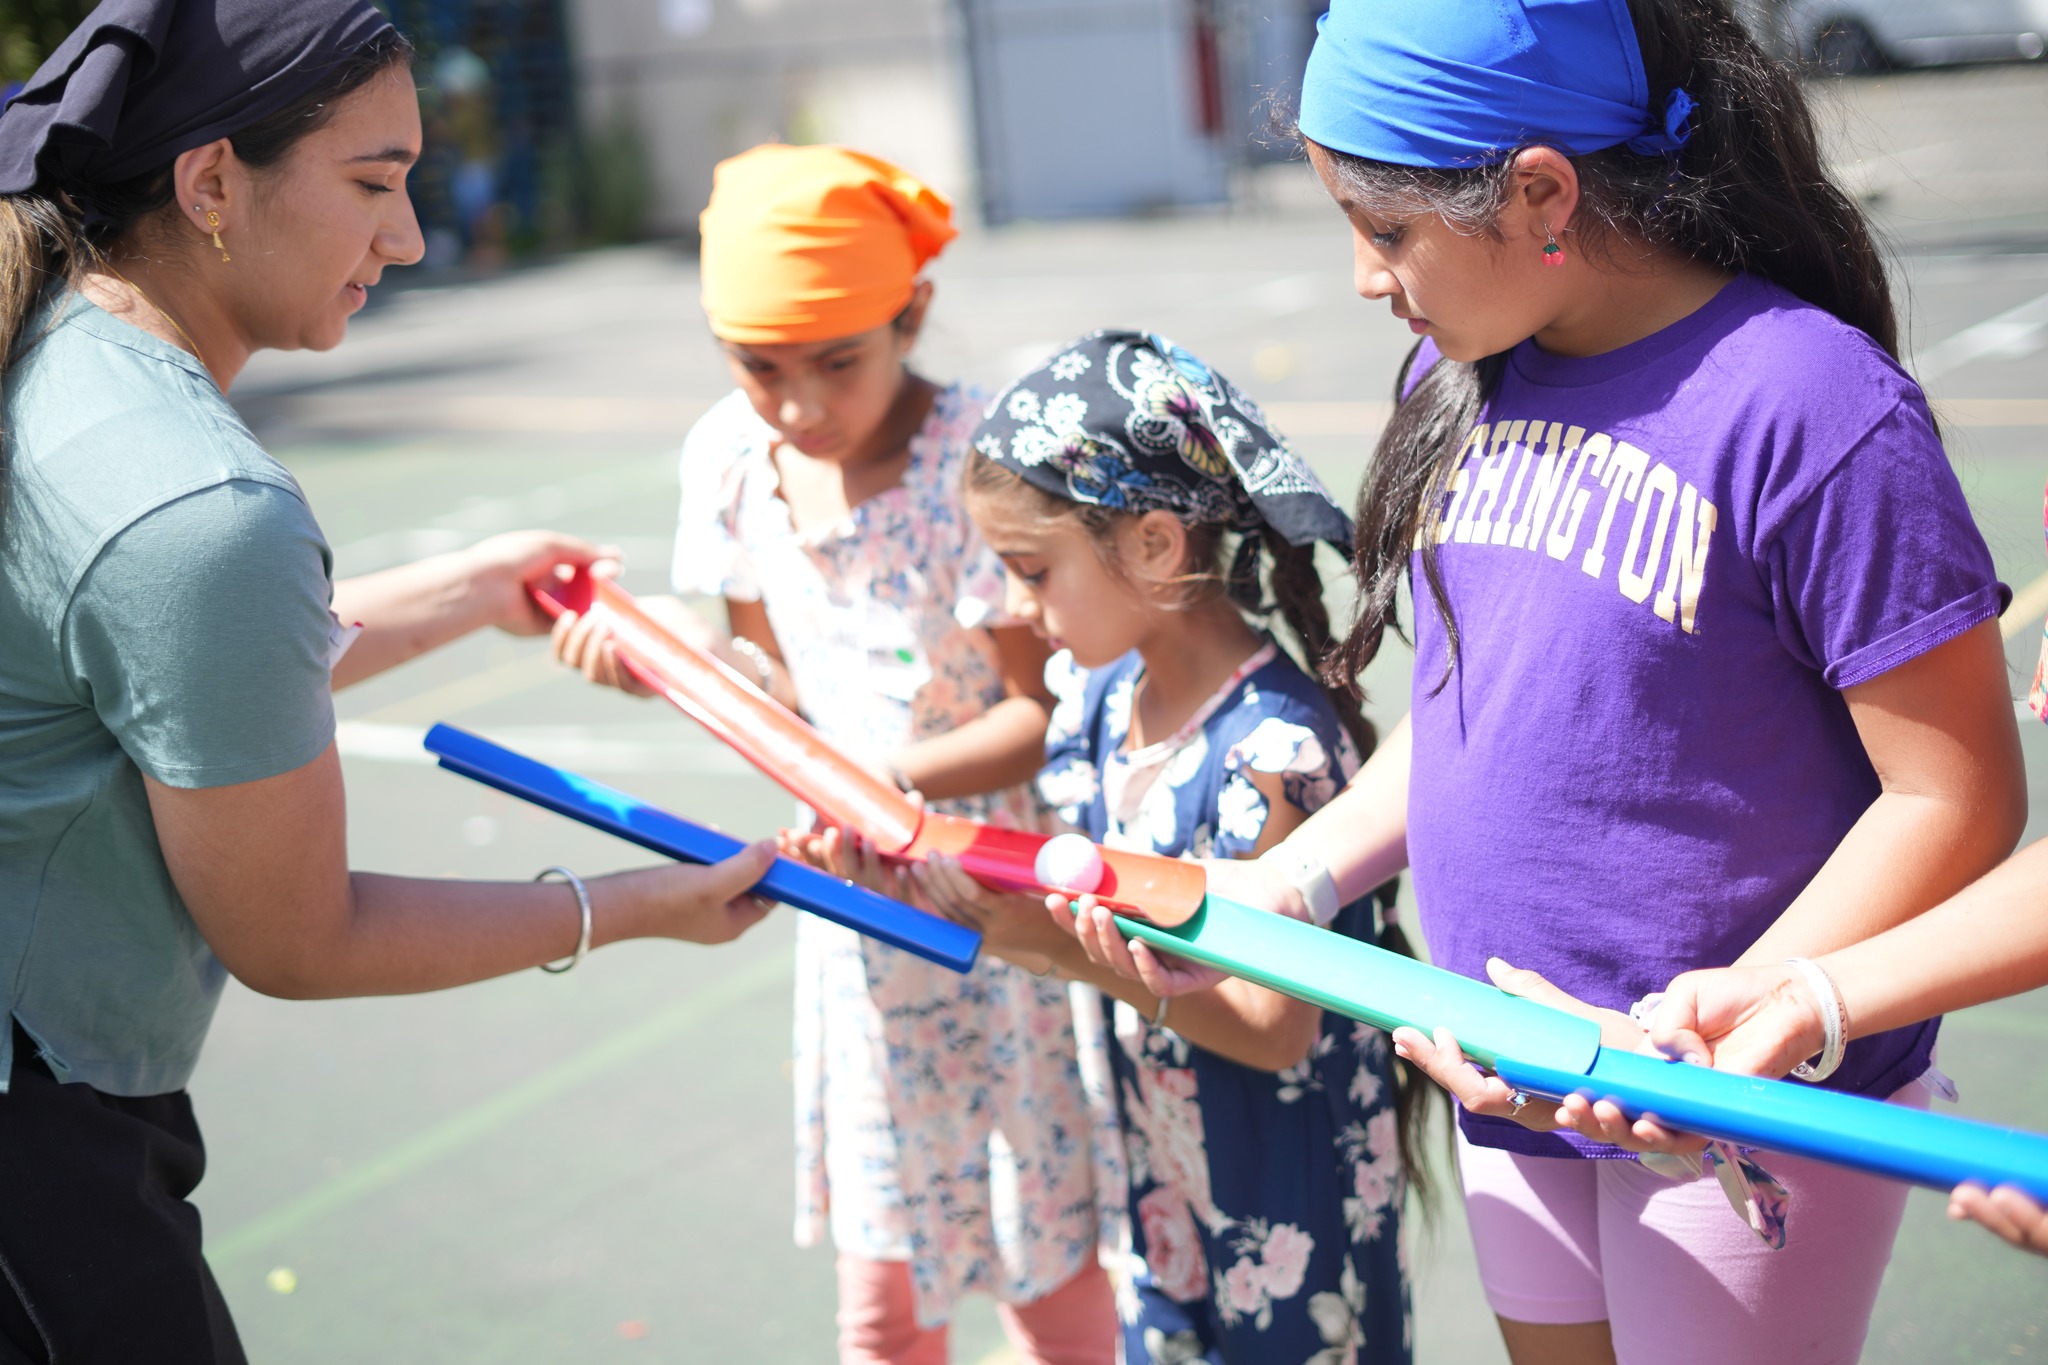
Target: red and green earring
[1553, 254]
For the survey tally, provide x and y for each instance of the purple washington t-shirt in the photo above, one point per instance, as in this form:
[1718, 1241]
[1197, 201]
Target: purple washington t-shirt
[1665, 563]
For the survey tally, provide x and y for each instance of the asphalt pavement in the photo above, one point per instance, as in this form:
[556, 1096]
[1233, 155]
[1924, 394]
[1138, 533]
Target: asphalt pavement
[598, 1166]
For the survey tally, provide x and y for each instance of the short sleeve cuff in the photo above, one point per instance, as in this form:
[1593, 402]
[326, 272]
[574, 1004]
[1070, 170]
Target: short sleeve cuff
[1910, 642]
[284, 759]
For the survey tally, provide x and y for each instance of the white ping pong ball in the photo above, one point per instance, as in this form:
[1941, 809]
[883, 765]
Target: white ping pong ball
[1069, 862]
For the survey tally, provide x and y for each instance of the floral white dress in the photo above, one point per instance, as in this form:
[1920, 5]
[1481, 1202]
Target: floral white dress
[940, 1118]
[1258, 1213]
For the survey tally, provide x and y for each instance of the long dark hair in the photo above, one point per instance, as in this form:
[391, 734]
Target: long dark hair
[1295, 586]
[1749, 193]
[52, 234]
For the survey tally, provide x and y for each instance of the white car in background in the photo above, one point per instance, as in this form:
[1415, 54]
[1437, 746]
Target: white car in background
[1848, 36]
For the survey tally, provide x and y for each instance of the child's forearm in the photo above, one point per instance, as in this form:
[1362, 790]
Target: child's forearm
[1905, 854]
[1988, 941]
[1361, 836]
[1002, 747]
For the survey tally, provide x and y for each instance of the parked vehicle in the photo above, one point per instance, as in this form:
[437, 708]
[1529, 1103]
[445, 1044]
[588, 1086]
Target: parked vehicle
[1851, 36]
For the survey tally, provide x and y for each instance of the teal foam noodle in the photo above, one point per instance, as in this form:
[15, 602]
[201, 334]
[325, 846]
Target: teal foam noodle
[1384, 989]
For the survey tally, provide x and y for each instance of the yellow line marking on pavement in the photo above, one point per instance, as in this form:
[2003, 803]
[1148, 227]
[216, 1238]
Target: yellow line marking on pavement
[2029, 605]
[500, 1111]
[1993, 412]
[453, 698]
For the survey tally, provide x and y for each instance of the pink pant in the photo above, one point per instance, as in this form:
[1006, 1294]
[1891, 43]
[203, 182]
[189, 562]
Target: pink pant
[1073, 1325]
[1678, 1277]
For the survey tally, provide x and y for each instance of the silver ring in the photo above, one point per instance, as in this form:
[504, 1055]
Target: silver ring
[1520, 1100]
[583, 908]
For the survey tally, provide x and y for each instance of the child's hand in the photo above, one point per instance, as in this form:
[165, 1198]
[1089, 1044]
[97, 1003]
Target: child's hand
[1442, 1060]
[588, 646]
[1251, 882]
[1753, 1021]
[1756, 1021]
[845, 855]
[1012, 926]
[2006, 1211]
[1163, 974]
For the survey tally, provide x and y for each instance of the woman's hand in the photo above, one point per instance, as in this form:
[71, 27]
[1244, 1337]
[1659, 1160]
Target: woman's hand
[1442, 1060]
[1013, 926]
[498, 570]
[2006, 1211]
[706, 904]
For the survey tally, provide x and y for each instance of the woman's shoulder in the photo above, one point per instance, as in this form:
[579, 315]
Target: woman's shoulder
[113, 423]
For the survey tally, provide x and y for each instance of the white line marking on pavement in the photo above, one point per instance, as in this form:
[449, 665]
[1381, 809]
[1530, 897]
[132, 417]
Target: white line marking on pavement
[2012, 335]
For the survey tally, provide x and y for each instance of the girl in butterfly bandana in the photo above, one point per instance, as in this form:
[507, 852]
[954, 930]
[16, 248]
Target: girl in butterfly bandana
[1251, 1147]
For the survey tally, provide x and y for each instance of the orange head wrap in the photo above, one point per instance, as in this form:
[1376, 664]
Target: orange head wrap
[811, 243]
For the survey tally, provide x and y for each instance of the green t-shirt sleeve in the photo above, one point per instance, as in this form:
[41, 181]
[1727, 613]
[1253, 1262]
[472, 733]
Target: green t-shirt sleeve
[200, 632]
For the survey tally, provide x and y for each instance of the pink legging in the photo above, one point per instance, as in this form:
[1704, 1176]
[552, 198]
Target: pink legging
[1073, 1325]
[1678, 1277]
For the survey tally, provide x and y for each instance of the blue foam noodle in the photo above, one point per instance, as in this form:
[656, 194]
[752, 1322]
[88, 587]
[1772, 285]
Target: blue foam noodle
[592, 803]
[1936, 1150]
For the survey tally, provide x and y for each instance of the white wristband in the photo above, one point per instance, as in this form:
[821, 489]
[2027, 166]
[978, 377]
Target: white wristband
[1833, 1024]
[1309, 876]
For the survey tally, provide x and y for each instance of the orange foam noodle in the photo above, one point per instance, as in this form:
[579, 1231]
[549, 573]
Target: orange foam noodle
[783, 745]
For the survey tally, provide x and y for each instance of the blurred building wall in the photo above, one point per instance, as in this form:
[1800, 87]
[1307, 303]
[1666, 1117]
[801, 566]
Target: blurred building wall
[1015, 108]
[699, 80]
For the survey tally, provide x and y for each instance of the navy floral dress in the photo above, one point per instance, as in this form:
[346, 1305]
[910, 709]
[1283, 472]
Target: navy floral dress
[1259, 1213]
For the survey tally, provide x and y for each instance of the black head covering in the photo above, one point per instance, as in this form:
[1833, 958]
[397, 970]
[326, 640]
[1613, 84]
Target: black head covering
[141, 81]
[1130, 421]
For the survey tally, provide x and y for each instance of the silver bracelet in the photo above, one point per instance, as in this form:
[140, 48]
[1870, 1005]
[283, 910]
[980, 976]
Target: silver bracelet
[1309, 876]
[763, 662]
[1159, 1011]
[1834, 1021]
[583, 907]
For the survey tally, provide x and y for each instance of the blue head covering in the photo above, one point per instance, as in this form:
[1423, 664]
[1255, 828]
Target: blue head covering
[1453, 83]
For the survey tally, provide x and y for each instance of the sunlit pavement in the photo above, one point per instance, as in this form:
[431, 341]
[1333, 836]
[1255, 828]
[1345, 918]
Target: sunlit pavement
[597, 1166]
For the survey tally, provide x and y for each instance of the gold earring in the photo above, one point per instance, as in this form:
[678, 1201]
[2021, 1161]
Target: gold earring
[213, 221]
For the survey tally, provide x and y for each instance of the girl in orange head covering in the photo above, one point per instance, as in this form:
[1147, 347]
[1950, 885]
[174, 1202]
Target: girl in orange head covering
[821, 501]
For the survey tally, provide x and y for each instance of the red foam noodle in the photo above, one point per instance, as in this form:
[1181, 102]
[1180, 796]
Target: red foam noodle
[785, 747]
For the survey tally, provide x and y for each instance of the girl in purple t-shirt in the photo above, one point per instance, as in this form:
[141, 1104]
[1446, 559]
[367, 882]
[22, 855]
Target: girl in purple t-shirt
[1707, 668]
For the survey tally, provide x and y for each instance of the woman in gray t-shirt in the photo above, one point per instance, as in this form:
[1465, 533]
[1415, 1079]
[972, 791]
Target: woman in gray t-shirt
[181, 185]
